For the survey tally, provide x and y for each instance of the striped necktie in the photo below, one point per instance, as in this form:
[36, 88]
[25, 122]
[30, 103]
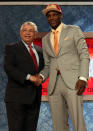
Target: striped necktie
[33, 57]
[55, 41]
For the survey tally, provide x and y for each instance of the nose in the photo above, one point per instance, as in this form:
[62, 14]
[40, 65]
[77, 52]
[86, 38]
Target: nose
[27, 31]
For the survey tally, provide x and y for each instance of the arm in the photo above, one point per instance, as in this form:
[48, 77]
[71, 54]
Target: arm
[45, 71]
[10, 65]
[84, 60]
[43, 74]
[82, 51]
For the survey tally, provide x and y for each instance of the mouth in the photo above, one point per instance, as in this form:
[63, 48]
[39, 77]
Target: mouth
[27, 37]
[52, 22]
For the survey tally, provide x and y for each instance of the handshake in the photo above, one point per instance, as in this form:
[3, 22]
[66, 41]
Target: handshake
[36, 79]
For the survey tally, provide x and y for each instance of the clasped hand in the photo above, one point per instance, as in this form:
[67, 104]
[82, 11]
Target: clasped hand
[80, 87]
[36, 79]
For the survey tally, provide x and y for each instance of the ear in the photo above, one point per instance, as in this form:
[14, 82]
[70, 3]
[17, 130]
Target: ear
[36, 34]
[20, 33]
[61, 16]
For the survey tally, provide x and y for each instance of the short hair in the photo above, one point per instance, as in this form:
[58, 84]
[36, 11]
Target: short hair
[29, 23]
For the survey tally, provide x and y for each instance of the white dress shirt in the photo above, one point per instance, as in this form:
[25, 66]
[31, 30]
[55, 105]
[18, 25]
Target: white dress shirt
[36, 54]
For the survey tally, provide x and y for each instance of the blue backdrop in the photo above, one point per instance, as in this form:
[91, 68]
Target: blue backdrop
[11, 18]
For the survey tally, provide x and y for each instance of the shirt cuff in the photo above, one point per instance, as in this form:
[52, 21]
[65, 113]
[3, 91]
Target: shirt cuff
[28, 76]
[42, 77]
[83, 78]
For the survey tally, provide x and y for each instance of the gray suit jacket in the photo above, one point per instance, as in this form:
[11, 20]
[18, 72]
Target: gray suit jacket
[73, 57]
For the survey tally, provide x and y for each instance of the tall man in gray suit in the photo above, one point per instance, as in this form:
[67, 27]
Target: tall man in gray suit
[67, 69]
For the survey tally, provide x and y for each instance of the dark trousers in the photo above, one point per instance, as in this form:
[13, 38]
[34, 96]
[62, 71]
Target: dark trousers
[22, 117]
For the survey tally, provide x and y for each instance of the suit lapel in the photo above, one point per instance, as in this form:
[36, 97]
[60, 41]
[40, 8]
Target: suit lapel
[40, 55]
[25, 51]
[62, 36]
[36, 48]
[27, 54]
[49, 44]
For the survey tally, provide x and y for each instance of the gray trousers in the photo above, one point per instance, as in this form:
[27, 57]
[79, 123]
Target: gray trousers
[63, 100]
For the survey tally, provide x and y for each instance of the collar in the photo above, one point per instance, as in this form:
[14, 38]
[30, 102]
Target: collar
[27, 45]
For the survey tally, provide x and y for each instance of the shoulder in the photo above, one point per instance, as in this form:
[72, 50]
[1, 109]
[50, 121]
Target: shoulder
[46, 36]
[74, 30]
[45, 39]
[71, 27]
[12, 46]
[38, 48]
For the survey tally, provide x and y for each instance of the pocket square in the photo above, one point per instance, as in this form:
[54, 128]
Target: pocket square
[66, 38]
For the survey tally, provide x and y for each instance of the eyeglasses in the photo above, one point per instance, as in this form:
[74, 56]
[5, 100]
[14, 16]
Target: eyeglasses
[30, 31]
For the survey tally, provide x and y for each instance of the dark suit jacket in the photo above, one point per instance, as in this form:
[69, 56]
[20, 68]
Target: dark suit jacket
[17, 64]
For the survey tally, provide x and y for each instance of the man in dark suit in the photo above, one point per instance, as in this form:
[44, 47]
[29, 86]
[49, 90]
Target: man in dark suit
[22, 97]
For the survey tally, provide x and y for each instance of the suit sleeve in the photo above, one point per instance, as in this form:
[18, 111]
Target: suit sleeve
[10, 65]
[45, 71]
[82, 50]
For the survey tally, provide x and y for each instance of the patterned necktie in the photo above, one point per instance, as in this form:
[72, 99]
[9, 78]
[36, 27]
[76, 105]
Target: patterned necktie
[55, 41]
[33, 57]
